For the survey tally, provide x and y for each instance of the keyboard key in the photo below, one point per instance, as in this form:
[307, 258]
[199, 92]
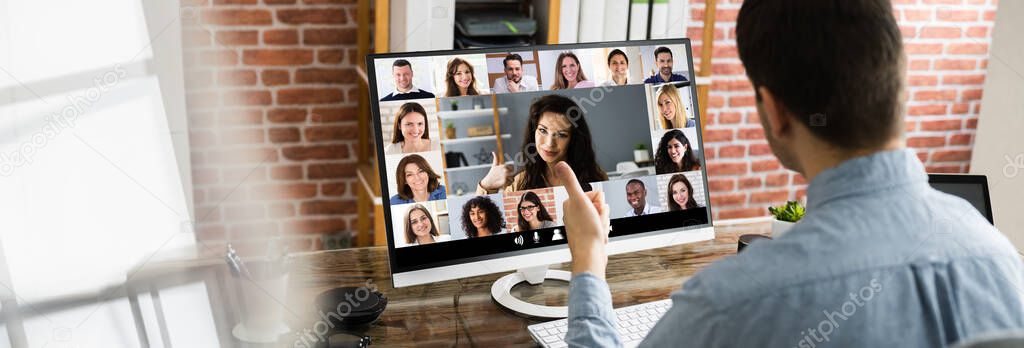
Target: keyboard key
[550, 339]
[561, 323]
[559, 345]
[563, 330]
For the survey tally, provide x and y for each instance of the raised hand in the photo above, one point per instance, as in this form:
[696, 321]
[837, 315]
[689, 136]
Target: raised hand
[498, 177]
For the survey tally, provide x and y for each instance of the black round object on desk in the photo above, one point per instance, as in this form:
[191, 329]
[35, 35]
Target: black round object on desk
[348, 307]
[746, 239]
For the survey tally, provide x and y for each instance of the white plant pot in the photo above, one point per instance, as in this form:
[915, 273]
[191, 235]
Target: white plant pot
[780, 228]
[641, 156]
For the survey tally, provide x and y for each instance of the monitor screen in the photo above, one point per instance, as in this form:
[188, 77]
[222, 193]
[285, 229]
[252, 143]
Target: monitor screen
[466, 138]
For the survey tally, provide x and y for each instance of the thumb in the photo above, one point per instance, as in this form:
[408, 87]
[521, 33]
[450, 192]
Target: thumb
[567, 178]
[494, 159]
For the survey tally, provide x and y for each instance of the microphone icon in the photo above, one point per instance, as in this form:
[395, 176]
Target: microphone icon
[519, 240]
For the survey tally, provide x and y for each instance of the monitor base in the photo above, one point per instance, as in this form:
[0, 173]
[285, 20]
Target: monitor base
[501, 292]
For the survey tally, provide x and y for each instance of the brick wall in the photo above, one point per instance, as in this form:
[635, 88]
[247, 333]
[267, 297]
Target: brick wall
[271, 98]
[271, 93]
[947, 43]
[511, 206]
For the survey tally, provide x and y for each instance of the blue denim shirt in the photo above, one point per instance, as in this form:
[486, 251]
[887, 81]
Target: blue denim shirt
[880, 260]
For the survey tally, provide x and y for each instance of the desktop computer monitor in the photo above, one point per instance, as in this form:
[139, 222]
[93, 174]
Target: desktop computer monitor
[624, 115]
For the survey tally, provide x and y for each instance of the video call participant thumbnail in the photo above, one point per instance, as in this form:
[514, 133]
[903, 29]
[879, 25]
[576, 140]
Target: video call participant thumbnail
[481, 217]
[416, 181]
[532, 213]
[411, 132]
[555, 131]
[680, 193]
[401, 71]
[514, 79]
[460, 79]
[618, 64]
[636, 196]
[671, 111]
[663, 59]
[675, 154]
[420, 227]
[569, 73]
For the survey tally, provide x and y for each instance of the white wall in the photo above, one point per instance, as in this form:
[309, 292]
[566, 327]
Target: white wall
[999, 139]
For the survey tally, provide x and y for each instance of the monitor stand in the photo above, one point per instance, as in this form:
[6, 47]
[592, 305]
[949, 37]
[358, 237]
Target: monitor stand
[501, 292]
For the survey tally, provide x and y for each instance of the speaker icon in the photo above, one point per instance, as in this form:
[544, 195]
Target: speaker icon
[519, 240]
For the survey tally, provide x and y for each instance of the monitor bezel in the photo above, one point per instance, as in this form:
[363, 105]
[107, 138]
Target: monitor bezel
[967, 179]
[696, 232]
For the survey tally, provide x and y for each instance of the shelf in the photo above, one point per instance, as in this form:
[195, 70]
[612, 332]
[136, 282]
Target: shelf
[473, 139]
[459, 169]
[460, 114]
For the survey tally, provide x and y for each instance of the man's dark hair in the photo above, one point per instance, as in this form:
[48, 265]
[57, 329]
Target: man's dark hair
[619, 52]
[835, 65]
[400, 63]
[638, 182]
[661, 50]
[512, 56]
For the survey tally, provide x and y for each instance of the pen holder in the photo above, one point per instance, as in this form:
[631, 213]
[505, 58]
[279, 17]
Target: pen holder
[262, 297]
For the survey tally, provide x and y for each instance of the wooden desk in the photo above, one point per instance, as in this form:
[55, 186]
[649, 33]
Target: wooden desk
[462, 312]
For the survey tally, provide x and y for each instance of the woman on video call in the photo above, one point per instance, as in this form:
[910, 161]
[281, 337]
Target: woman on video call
[569, 73]
[618, 64]
[482, 218]
[671, 109]
[680, 193]
[416, 181]
[411, 132]
[460, 79]
[675, 154]
[420, 228]
[556, 131]
[532, 214]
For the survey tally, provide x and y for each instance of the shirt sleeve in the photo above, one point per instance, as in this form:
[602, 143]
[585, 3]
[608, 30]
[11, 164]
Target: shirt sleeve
[591, 318]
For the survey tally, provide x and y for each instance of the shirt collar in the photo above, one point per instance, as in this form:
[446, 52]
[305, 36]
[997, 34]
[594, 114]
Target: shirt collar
[878, 171]
[412, 88]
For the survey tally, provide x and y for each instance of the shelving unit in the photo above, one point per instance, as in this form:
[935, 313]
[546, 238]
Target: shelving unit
[464, 114]
[505, 136]
[371, 231]
[472, 167]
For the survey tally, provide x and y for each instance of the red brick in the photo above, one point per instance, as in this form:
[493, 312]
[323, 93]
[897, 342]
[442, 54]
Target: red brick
[275, 77]
[315, 226]
[955, 64]
[944, 95]
[286, 115]
[923, 48]
[971, 94]
[218, 58]
[330, 115]
[932, 141]
[331, 133]
[773, 197]
[720, 185]
[749, 183]
[283, 135]
[329, 36]
[967, 48]
[960, 139]
[951, 156]
[923, 80]
[934, 109]
[949, 14]
[765, 165]
[326, 76]
[760, 149]
[279, 57]
[281, 36]
[717, 135]
[726, 214]
[941, 125]
[311, 16]
[774, 180]
[732, 151]
[727, 168]
[751, 133]
[330, 56]
[728, 199]
[940, 33]
[241, 136]
[330, 170]
[236, 17]
[301, 153]
[309, 96]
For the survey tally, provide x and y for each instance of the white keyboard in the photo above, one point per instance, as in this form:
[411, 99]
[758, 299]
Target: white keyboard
[633, 324]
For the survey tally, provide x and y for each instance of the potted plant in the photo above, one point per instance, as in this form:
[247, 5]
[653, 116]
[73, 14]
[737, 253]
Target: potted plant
[449, 130]
[640, 153]
[785, 216]
[455, 105]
